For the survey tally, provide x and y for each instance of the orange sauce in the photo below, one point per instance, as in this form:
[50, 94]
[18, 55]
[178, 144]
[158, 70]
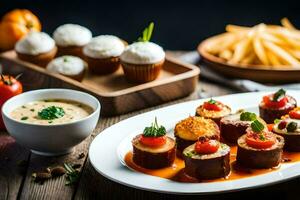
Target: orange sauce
[176, 171]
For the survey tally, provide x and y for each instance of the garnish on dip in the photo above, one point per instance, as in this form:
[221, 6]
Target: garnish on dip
[206, 146]
[213, 105]
[295, 113]
[276, 100]
[259, 137]
[154, 135]
[52, 112]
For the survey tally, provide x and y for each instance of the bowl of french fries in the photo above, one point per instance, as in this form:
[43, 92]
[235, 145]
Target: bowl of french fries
[263, 53]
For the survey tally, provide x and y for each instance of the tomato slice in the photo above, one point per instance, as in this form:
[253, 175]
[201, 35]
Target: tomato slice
[212, 106]
[270, 127]
[261, 140]
[268, 100]
[207, 147]
[295, 114]
[153, 141]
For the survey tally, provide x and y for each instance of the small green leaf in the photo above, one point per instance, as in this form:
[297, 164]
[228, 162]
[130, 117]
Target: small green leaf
[24, 118]
[279, 94]
[52, 112]
[212, 101]
[276, 121]
[154, 130]
[247, 116]
[257, 126]
[147, 33]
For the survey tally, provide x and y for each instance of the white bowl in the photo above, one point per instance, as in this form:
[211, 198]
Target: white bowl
[50, 140]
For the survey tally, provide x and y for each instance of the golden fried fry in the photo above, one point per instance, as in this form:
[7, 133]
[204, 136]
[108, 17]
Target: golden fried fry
[287, 24]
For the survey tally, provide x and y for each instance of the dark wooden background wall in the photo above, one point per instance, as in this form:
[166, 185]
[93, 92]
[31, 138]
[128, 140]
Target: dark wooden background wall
[180, 24]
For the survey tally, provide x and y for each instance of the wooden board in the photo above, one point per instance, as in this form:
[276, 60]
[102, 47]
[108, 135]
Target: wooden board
[117, 96]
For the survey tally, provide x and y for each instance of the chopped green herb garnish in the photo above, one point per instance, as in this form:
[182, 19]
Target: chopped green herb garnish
[23, 106]
[291, 127]
[248, 116]
[50, 122]
[66, 59]
[154, 130]
[24, 118]
[52, 112]
[147, 33]
[212, 101]
[32, 110]
[257, 126]
[262, 137]
[72, 175]
[276, 121]
[279, 94]
[189, 154]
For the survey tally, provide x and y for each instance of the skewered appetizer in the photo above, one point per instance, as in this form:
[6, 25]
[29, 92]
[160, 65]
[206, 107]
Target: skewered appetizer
[188, 131]
[153, 149]
[207, 159]
[289, 129]
[259, 148]
[273, 106]
[214, 110]
[234, 126]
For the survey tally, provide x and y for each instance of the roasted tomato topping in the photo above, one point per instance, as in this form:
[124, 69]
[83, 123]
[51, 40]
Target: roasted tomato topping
[276, 100]
[206, 146]
[295, 114]
[213, 105]
[282, 125]
[261, 140]
[153, 141]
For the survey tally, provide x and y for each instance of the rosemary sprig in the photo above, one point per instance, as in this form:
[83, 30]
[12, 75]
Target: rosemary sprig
[147, 33]
[72, 175]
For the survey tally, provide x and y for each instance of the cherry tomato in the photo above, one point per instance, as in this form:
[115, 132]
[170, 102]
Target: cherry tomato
[9, 87]
[295, 114]
[261, 140]
[207, 147]
[153, 141]
[212, 106]
[270, 127]
[268, 100]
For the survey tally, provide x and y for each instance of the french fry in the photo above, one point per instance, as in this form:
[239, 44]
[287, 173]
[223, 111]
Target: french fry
[241, 50]
[273, 59]
[287, 24]
[236, 29]
[260, 51]
[281, 53]
[226, 54]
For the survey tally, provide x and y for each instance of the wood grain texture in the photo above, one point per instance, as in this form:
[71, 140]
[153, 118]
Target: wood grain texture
[115, 93]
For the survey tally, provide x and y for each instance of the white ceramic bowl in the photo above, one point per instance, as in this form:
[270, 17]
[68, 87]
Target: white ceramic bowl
[51, 140]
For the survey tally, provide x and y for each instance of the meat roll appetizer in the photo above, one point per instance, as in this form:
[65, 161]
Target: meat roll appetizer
[153, 149]
[273, 106]
[188, 131]
[289, 129]
[214, 110]
[259, 148]
[234, 126]
[207, 159]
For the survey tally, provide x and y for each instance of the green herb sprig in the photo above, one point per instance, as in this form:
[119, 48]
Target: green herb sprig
[279, 94]
[147, 33]
[257, 126]
[212, 101]
[72, 175]
[52, 112]
[154, 130]
[247, 116]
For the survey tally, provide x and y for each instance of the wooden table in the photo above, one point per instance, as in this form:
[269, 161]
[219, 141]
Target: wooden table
[16, 181]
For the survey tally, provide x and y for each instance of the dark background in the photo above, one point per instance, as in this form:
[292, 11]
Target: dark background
[180, 24]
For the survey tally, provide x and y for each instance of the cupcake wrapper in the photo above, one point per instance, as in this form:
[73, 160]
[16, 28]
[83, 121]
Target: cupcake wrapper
[41, 60]
[103, 66]
[69, 50]
[142, 73]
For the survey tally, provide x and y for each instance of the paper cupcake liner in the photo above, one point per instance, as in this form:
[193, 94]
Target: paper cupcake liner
[69, 50]
[41, 59]
[103, 66]
[142, 73]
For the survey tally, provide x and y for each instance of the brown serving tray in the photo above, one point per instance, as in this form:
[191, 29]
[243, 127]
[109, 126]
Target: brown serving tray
[116, 95]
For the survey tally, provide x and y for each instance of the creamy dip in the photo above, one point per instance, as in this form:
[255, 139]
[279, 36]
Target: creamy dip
[51, 111]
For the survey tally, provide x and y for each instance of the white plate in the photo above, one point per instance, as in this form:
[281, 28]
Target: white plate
[109, 147]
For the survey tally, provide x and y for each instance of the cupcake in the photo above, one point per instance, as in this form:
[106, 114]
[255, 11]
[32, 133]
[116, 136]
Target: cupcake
[142, 61]
[102, 54]
[36, 47]
[70, 66]
[70, 39]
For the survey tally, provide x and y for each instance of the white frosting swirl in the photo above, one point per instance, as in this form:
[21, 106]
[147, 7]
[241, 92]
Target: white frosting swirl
[66, 65]
[72, 35]
[143, 53]
[104, 46]
[35, 43]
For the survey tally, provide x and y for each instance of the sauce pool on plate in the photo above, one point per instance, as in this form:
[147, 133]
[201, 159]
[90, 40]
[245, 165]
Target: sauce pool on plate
[51, 111]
